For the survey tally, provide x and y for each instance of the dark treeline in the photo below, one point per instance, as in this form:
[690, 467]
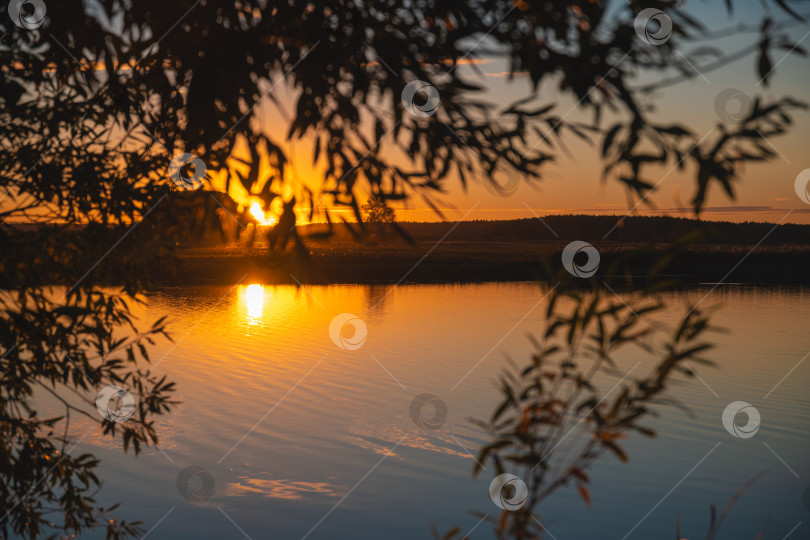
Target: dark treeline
[629, 230]
[479, 250]
[636, 229]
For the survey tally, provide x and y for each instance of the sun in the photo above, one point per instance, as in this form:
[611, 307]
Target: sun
[256, 212]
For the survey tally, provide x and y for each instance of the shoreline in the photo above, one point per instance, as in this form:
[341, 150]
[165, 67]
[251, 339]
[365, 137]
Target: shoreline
[471, 262]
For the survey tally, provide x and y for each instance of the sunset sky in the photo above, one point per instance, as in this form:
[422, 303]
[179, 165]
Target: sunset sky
[572, 184]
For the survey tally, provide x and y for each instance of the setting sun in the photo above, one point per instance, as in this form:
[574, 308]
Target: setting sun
[256, 211]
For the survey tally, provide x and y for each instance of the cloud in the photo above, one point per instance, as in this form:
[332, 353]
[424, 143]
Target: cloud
[507, 74]
[613, 207]
[470, 61]
[733, 210]
[459, 62]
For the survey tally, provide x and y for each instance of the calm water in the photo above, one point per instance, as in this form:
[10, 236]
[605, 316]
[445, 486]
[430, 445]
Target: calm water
[304, 439]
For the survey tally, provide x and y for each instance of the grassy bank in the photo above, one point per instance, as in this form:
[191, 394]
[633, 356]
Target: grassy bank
[452, 261]
[513, 250]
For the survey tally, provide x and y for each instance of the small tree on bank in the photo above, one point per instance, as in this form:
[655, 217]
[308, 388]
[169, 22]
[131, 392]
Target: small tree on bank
[380, 216]
[375, 211]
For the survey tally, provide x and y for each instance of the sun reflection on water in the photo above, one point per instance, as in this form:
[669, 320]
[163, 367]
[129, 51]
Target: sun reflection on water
[254, 300]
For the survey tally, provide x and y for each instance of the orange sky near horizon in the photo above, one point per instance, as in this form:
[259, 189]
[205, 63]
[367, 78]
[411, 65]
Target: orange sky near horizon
[571, 184]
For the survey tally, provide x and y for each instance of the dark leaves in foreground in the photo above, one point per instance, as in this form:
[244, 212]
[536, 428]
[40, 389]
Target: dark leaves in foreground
[578, 398]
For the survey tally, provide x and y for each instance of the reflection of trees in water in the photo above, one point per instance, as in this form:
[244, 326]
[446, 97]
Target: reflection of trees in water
[375, 298]
[199, 299]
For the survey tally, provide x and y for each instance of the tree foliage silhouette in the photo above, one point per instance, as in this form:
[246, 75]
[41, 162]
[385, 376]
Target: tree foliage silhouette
[98, 97]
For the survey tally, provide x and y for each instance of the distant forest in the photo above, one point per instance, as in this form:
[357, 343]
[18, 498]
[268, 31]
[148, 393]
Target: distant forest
[635, 229]
[631, 230]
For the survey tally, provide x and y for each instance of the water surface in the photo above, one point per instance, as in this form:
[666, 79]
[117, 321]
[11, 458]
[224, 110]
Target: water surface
[306, 440]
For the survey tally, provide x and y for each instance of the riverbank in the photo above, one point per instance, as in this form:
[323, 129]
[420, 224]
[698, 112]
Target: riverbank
[453, 261]
[449, 252]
